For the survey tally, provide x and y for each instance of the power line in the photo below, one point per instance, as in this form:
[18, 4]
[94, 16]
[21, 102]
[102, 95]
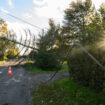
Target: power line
[22, 20]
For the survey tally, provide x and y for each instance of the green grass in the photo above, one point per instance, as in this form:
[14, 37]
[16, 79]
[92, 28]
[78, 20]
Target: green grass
[1, 61]
[66, 92]
[30, 67]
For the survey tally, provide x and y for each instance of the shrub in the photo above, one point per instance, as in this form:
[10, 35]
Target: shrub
[47, 60]
[84, 70]
[32, 55]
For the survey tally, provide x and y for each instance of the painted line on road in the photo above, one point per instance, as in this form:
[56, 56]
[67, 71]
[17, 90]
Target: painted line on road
[1, 72]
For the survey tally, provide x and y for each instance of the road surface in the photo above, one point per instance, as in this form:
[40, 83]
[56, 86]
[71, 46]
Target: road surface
[14, 90]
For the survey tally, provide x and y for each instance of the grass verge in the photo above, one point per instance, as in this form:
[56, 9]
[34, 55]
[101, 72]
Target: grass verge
[30, 67]
[66, 92]
[1, 61]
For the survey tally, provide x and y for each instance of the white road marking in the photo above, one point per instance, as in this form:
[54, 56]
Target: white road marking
[1, 72]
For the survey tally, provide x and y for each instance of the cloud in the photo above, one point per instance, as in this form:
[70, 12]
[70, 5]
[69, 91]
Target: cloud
[10, 3]
[40, 16]
[32, 18]
[27, 15]
[4, 11]
[19, 28]
[39, 3]
[54, 8]
[98, 3]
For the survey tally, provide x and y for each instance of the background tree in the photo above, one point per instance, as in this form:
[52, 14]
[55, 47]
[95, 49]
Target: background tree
[47, 40]
[7, 48]
[84, 24]
[77, 17]
[46, 57]
[54, 39]
[102, 12]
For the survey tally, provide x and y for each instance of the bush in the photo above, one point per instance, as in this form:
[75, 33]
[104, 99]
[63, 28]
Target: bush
[32, 55]
[1, 57]
[47, 60]
[84, 70]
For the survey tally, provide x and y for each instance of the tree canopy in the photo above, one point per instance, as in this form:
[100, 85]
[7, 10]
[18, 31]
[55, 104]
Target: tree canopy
[7, 49]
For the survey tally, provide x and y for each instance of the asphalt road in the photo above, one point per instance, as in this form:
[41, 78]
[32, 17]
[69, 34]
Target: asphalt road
[14, 90]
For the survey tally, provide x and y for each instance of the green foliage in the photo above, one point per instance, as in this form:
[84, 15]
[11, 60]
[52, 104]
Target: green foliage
[82, 23]
[66, 92]
[47, 57]
[48, 39]
[30, 67]
[32, 55]
[102, 12]
[84, 70]
[47, 60]
[8, 49]
[54, 39]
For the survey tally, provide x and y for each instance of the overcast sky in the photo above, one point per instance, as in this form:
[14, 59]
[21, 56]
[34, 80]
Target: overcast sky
[36, 12]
